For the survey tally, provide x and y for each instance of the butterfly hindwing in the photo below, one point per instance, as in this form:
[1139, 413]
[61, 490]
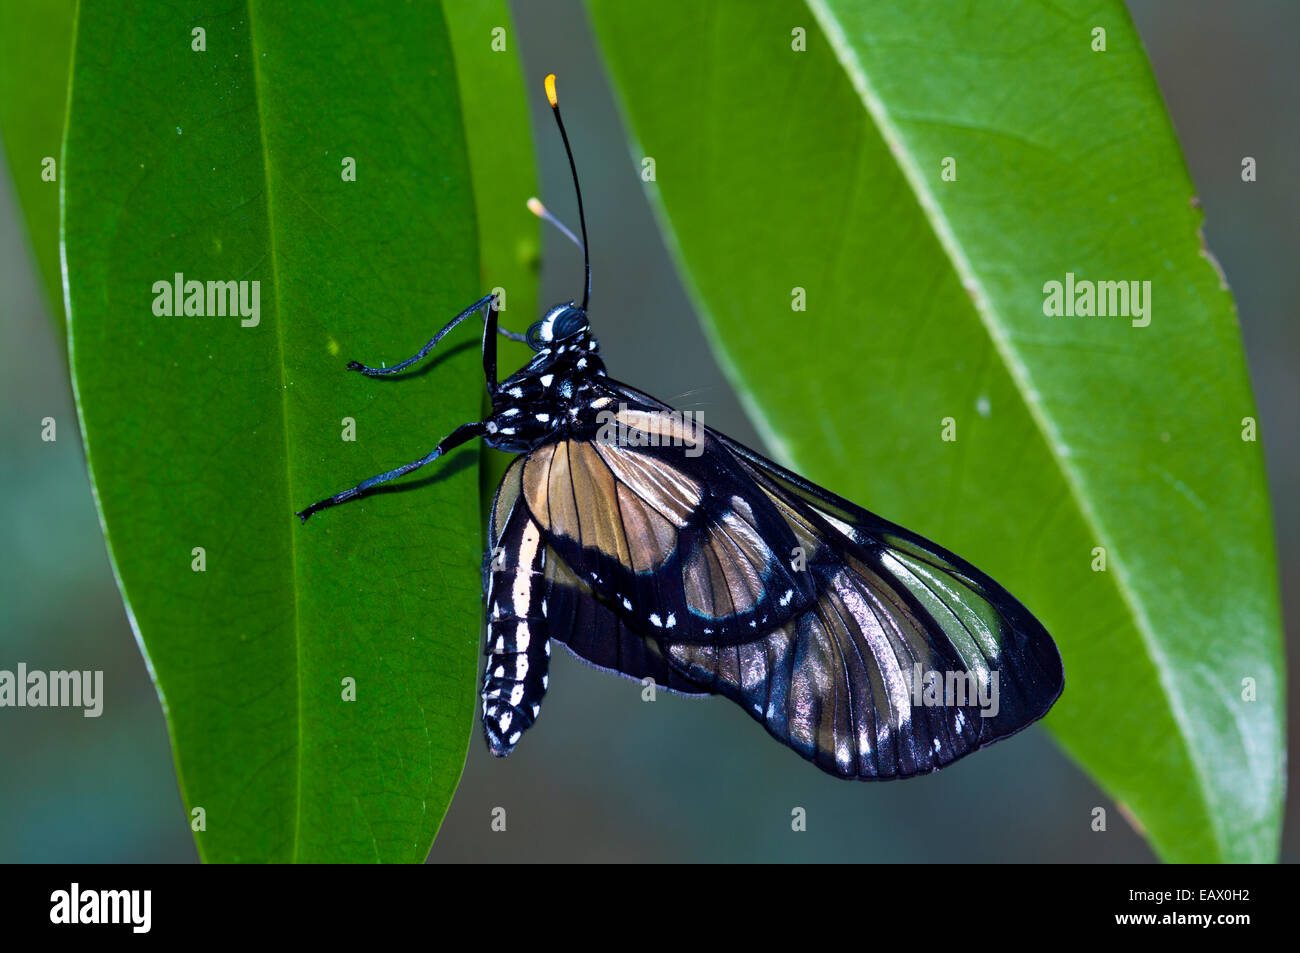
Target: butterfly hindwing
[597, 635]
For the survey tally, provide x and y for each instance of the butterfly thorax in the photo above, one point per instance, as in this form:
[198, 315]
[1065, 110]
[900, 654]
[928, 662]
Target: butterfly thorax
[549, 397]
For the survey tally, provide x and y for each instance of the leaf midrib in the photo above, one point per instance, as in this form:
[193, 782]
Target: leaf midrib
[900, 149]
[258, 96]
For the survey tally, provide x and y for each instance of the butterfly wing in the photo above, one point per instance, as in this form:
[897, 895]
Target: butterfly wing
[910, 659]
[595, 634]
[872, 652]
[676, 537]
[984, 620]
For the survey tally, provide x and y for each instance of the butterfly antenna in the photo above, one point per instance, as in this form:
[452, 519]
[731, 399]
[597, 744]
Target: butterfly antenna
[541, 211]
[573, 168]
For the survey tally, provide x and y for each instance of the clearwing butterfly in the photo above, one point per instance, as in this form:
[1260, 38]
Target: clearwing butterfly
[654, 547]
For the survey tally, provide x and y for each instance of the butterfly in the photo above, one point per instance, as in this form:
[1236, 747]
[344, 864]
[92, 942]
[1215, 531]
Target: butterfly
[654, 547]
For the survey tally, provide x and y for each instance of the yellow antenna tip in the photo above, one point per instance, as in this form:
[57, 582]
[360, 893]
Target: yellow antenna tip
[536, 207]
[550, 91]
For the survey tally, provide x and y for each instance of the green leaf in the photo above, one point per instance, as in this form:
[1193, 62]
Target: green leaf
[35, 50]
[822, 169]
[201, 432]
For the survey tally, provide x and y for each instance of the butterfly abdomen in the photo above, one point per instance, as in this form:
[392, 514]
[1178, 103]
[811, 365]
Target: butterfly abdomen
[518, 647]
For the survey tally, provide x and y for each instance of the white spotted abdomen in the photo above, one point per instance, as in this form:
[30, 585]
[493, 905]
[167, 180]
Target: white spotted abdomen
[518, 648]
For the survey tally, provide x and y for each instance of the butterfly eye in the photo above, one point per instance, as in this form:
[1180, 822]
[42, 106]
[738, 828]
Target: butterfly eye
[567, 323]
[535, 336]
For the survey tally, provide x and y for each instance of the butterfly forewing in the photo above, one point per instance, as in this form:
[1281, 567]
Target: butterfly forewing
[910, 658]
[983, 621]
[678, 540]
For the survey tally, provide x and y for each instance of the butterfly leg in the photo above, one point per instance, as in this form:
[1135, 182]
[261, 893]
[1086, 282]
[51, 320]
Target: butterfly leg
[458, 436]
[490, 348]
[487, 301]
[518, 647]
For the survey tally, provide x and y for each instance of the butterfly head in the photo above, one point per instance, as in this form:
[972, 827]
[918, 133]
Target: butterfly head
[563, 324]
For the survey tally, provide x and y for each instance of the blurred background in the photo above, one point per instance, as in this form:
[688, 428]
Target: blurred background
[605, 776]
